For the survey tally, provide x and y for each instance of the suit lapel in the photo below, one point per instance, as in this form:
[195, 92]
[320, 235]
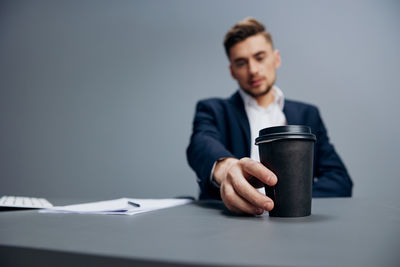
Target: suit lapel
[289, 114]
[238, 107]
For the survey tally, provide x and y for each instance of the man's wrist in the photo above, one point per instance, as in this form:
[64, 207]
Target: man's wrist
[221, 168]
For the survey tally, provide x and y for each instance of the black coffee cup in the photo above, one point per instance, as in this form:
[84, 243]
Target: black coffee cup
[288, 151]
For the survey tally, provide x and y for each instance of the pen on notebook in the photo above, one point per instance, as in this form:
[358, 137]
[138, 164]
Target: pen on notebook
[133, 204]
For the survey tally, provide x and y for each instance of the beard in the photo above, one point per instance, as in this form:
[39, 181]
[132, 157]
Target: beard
[262, 93]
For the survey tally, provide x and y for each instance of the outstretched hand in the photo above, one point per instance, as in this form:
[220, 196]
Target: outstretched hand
[239, 180]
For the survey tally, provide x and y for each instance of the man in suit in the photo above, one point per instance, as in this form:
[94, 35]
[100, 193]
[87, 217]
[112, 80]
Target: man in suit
[222, 150]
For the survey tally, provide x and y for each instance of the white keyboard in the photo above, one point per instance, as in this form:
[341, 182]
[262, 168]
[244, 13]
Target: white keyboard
[14, 202]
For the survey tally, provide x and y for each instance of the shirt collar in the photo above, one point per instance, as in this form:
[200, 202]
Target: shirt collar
[279, 98]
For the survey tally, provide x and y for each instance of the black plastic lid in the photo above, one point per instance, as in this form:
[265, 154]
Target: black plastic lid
[285, 132]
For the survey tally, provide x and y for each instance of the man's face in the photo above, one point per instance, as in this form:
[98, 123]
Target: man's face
[253, 65]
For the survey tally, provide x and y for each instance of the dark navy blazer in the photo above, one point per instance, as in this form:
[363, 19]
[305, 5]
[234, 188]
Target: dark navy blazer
[221, 129]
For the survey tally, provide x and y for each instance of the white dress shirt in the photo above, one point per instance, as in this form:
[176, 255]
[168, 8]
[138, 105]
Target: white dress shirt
[260, 118]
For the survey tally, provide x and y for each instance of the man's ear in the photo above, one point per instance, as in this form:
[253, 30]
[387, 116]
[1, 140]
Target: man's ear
[278, 60]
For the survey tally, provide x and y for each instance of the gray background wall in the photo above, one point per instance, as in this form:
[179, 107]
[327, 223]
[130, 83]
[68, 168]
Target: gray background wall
[97, 97]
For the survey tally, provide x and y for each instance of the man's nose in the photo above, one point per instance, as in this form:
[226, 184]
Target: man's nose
[253, 68]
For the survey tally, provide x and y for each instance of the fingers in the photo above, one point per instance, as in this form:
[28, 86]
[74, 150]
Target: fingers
[239, 195]
[244, 189]
[236, 203]
[253, 168]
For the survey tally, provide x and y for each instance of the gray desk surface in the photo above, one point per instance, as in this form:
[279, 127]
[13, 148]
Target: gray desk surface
[340, 232]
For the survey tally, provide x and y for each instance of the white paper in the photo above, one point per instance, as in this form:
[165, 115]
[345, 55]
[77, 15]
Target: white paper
[118, 206]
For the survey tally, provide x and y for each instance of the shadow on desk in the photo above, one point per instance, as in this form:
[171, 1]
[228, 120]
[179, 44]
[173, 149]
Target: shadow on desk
[219, 205]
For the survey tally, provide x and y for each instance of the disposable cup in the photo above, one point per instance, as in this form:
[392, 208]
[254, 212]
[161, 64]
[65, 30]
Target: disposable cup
[288, 151]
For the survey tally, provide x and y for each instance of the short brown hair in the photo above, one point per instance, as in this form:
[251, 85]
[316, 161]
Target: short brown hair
[242, 30]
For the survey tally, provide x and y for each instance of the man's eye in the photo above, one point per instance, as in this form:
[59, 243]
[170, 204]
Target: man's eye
[260, 58]
[240, 64]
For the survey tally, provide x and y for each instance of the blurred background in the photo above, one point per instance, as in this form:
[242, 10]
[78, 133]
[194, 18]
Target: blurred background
[97, 97]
